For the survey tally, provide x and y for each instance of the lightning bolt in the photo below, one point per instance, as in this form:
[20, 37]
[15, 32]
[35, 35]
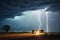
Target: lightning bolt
[47, 22]
[38, 13]
[39, 20]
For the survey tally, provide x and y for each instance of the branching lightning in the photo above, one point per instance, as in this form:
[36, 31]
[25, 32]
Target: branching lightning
[39, 20]
[37, 13]
[47, 22]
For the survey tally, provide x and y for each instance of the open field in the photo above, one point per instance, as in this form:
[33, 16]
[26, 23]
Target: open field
[29, 36]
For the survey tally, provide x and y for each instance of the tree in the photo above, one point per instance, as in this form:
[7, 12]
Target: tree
[6, 28]
[42, 30]
[33, 31]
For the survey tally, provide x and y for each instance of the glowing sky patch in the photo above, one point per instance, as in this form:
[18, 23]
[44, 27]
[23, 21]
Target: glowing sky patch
[37, 14]
[34, 19]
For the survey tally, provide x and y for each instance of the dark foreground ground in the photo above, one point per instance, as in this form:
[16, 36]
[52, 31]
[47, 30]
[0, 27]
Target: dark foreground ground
[34, 37]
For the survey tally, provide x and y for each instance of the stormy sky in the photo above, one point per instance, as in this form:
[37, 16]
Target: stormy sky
[17, 14]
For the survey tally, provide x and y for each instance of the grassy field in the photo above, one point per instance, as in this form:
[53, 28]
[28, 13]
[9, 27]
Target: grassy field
[29, 36]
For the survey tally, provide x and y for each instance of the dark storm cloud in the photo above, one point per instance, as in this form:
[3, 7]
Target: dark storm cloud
[11, 8]
[55, 6]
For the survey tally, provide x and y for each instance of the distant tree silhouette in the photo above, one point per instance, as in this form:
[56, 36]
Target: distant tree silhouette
[32, 31]
[6, 28]
[42, 30]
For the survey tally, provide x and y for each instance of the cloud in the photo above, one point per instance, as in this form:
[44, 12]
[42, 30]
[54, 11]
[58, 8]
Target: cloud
[55, 6]
[12, 8]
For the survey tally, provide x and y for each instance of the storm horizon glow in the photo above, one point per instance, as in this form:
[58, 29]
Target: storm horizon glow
[37, 14]
[38, 19]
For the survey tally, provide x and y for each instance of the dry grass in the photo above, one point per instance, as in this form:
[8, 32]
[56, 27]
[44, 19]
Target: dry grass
[29, 36]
